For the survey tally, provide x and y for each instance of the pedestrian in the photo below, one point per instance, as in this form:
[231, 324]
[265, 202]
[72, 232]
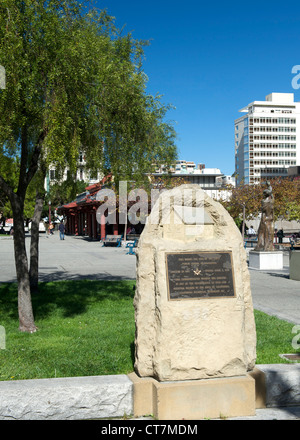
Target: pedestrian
[251, 232]
[61, 230]
[51, 228]
[280, 235]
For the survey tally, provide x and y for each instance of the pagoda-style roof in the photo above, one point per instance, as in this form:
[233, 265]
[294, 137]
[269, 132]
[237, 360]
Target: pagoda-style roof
[86, 198]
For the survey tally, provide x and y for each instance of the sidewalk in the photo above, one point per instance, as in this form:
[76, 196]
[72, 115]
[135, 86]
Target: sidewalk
[275, 294]
[288, 413]
[70, 259]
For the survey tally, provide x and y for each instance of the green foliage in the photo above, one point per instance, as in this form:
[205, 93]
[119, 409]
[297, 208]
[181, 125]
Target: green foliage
[73, 82]
[286, 194]
[63, 192]
[8, 169]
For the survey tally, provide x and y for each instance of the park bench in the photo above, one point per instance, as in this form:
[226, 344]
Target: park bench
[251, 241]
[294, 242]
[132, 237]
[133, 242]
[112, 240]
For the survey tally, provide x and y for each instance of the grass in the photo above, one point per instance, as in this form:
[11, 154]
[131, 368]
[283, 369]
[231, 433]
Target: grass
[86, 328]
[274, 337]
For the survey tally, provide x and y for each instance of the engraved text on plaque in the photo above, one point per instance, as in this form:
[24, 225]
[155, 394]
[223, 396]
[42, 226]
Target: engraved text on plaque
[192, 275]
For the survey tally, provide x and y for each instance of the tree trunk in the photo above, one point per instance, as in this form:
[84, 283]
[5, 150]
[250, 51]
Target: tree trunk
[34, 243]
[26, 319]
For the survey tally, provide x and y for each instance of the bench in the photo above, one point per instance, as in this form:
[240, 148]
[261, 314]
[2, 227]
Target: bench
[112, 240]
[132, 237]
[252, 241]
[294, 242]
[133, 244]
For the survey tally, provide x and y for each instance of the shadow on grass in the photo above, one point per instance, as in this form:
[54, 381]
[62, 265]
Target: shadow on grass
[72, 297]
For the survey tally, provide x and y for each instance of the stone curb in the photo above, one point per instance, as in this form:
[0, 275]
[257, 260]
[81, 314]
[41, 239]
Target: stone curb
[103, 397]
[71, 398]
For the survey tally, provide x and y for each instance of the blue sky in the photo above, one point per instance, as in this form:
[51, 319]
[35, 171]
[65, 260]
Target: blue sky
[210, 59]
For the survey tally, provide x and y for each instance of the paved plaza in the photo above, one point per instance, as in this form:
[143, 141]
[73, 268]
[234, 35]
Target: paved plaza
[70, 259]
[78, 258]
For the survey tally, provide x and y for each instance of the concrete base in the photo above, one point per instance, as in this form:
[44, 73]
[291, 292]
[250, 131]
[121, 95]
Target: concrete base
[194, 400]
[266, 260]
[295, 265]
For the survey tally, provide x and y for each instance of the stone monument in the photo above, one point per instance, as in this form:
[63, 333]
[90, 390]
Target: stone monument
[193, 310]
[264, 255]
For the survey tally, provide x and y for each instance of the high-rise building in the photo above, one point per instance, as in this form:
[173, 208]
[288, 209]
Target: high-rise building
[267, 138]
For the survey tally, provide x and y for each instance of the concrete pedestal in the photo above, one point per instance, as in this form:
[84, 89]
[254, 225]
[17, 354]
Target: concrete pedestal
[295, 265]
[195, 399]
[272, 260]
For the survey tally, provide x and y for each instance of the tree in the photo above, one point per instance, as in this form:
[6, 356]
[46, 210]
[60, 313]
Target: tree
[8, 169]
[65, 191]
[246, 200]
[287, 198]
[72, 82]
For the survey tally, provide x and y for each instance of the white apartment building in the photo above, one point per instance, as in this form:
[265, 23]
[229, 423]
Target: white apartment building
[82, 173]
[211, 180]
[267, 138]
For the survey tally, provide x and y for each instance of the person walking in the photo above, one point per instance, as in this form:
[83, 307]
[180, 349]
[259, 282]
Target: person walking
[251, 232]
[61, 230]
[50, 228]
[280, 235]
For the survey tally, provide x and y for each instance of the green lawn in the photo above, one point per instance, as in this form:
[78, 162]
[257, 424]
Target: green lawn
[87, 328]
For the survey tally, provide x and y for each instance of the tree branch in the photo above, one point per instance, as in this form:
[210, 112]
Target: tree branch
[35, 157]
[22, 186]
[6, 188]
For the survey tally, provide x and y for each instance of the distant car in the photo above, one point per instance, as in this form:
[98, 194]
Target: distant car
[9, 223]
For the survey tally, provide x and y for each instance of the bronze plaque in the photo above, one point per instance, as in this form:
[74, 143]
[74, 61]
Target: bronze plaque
[193, 275]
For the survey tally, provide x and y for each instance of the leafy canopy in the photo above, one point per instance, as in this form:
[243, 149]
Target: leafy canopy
[72, 82]
[286, 199]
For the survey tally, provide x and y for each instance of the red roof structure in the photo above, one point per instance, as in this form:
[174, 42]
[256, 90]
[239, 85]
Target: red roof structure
[81, 213]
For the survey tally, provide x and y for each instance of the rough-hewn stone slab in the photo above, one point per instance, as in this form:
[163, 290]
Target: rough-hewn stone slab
[191, 332]
[75, 398]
